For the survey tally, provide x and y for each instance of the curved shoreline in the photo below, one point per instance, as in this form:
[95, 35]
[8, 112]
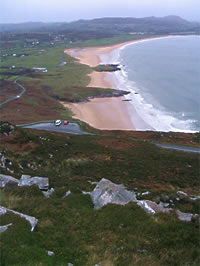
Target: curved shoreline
[102, 113]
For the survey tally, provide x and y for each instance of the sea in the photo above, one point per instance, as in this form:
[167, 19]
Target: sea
[163, 78]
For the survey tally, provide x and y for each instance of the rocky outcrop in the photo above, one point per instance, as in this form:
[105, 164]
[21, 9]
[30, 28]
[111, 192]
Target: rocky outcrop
[107, 192]
[114, 93]
[6, 180]
[41, 182]
[32, 220]
[107, 68]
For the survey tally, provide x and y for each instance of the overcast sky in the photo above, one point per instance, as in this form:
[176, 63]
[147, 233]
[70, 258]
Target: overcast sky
[16, 11]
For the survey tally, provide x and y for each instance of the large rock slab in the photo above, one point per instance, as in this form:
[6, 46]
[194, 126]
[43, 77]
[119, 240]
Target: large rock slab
[6, 180]
[41, 182]
[32, 220]
[107, 192]
[3, 228]
[186, 217]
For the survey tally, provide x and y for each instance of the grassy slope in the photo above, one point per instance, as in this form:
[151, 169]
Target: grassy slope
[66, 83]
[114, 235]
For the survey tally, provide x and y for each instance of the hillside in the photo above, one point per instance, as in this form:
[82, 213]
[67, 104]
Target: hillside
[67, 228]
[98, 198]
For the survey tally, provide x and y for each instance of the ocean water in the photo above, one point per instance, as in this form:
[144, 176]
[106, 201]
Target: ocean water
[163, 76]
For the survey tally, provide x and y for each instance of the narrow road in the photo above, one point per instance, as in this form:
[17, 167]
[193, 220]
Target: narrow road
[177, 147]
[16, 96]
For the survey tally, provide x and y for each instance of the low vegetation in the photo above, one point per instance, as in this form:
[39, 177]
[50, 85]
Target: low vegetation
[107, 68]
[114, 235]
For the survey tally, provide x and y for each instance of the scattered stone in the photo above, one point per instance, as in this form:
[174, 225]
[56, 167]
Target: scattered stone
[20, 166]
[86, 193]
[195, 198]
[3, 228]
[152, 207]
[10, 171]
[6, 180]
[107, 192]
[145, 193]
[92, 183]
[31, 167]
[67, 194]
[50, 253]
[164, 204]
[32, 220]
[186, 217]
[143, 204]
[48, 193]
[182, 193]
[70, 264]
[41, 182]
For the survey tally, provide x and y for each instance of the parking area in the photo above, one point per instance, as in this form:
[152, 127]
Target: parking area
[70, 128]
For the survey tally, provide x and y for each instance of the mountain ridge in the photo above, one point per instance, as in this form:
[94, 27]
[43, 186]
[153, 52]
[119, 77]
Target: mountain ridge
[165, 24]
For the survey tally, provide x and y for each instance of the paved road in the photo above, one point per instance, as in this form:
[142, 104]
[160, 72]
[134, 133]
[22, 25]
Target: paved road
[16, 96]
[70, 128]
[177, 147]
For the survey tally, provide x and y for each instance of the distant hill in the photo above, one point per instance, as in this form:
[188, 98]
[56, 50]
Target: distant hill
[167, 24]
[111, 25]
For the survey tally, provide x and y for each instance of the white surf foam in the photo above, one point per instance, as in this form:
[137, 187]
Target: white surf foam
[157, 119]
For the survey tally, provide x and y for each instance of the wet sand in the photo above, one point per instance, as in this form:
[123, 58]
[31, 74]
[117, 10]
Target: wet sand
[103, 113]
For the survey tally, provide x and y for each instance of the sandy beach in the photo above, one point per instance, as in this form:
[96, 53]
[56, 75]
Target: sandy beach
[103, 113]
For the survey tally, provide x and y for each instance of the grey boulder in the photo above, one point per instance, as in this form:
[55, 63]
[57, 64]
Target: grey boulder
[41, 182]
[50, 253]
[152, 207]
[6, 180]
[3, 228]
[32, 220]
[107, 192]
[186, 217]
